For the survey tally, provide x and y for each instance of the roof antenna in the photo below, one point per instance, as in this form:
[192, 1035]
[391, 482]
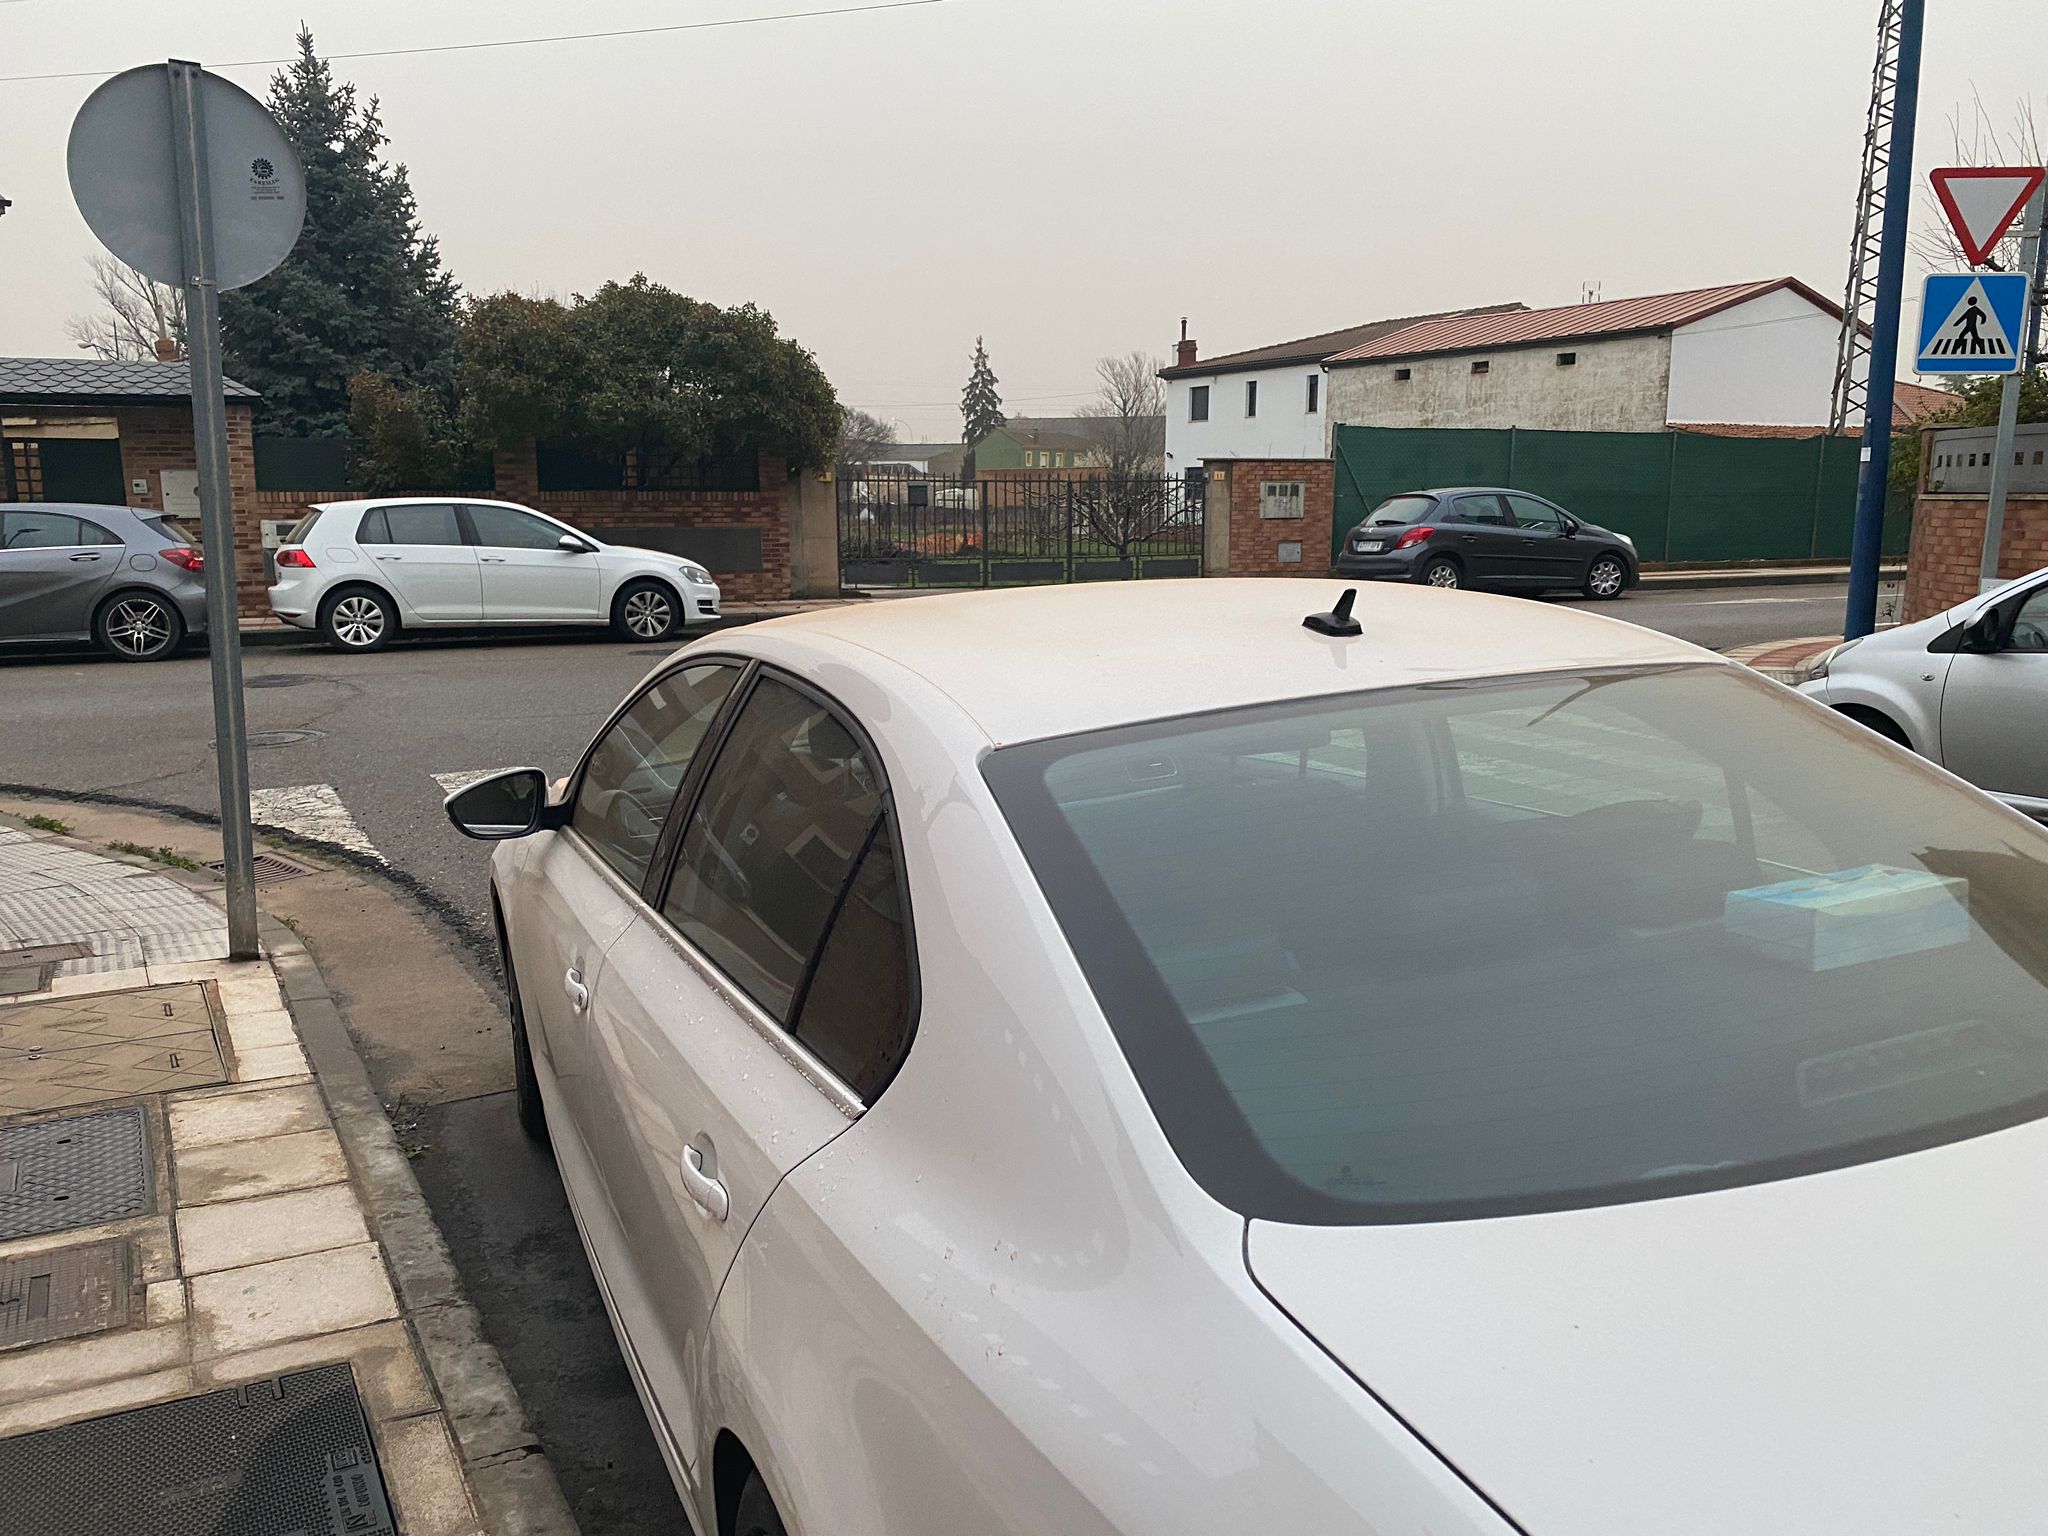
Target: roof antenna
[1338, 620]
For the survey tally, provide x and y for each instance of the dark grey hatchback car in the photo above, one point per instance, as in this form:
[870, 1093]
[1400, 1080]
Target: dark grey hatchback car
[1487, 536]
[130, 581]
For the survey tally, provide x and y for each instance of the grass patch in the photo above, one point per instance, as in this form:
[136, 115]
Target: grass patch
[49, 824]
[165, 855]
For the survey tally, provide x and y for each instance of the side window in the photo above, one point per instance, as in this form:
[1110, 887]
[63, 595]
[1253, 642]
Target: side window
[373, 529]
[784, 814]
[1539, 515]
[855, 1014]
[509, 528]
[47, 530]
[2030, 624]
[634, 771]
[1481, 509]
[433, 524]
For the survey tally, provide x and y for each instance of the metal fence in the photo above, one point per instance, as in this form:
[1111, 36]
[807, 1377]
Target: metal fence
[1682, 496]
[1017, 530]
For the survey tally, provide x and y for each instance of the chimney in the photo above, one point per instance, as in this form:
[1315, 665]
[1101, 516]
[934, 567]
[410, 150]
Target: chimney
[167, 350]
[1184, 354]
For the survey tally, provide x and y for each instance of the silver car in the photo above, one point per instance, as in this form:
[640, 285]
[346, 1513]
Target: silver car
[1967, 688]
[130, 581]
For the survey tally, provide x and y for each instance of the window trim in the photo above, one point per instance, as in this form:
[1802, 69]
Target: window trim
[1251, 399]
[1198, 396]
[653, 890]
[1315, 394]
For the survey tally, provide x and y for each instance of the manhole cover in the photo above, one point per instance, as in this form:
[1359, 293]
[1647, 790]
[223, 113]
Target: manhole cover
[275, 1458]
[28, 969]
[61, 1052]
[74, 1172]
[63, 1293]
[271, 868]
[280, 680]
[281, 738]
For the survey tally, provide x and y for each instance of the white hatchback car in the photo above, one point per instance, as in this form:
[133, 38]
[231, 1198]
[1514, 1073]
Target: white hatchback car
[1117, 1061]
[1967, 688]
[360, 571]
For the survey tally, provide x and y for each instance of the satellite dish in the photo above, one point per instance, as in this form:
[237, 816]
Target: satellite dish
[124, 177]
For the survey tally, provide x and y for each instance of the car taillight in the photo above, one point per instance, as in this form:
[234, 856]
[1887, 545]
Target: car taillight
[185, 556]
[1411, 537]
[297, 559]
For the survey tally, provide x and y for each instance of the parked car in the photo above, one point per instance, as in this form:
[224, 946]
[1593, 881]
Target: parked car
[128, 580]
[359, 572]
[1967, 688]
[1487, 536]
[1117, 1060]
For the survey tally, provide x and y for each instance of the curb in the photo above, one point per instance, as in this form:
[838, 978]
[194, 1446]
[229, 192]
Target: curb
[1697, 581]
[509, 1474]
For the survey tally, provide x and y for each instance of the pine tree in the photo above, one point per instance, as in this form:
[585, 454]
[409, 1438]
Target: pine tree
[363, 291]
[980, 406]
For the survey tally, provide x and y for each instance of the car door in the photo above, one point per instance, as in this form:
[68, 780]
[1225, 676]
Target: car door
[1994, 706]
[1485, 537]
[1544, 553]
[419, 550]
[527, 576]
[733, 1038]
[53, 567]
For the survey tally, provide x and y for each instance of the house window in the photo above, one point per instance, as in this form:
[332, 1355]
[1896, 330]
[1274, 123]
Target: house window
[1198, 403]
[1403, 375]
[1315, 391]
[1251, 397]
[1567, 359]
[1481, 365]
[1279, 499]
[1059, 461]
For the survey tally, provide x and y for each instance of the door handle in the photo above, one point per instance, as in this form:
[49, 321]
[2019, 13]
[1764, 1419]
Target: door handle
[579, 994]
[1468, 538]
[391, 557]
[709, 1194]
[490, 559]
[84, 557]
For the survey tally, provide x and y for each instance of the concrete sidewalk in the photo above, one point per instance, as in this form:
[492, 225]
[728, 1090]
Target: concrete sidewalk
[199, 1191]
[1785, 661]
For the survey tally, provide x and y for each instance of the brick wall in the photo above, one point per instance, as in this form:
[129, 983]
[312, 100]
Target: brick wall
[155, 438]
[1255, 541]
[1948, 541]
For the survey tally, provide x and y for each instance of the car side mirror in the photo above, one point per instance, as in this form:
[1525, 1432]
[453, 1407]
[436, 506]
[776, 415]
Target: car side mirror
[568, 543]
[1571, 528]
[1983, 634]
[506, 805]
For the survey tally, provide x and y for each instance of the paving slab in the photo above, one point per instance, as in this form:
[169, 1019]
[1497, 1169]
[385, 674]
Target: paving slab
[269, 1165]
[243, 1309]
[238, 1233]
[248, 1114]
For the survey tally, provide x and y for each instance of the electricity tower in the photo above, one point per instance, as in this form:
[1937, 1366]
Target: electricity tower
[1851, 398]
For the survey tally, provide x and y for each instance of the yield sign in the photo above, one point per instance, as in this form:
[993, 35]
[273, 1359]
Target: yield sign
[1981, 202]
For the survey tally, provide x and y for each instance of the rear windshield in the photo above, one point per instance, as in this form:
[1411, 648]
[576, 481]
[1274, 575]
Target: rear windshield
[1478, 949]
[170, 528]
[296, 534]
[1401, 509]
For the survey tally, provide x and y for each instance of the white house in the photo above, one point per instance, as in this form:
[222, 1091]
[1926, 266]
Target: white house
[1749, 355]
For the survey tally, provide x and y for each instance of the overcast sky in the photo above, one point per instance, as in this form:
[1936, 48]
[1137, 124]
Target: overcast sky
[1067, 177]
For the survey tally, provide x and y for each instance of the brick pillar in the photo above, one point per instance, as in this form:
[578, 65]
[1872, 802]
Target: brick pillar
[516, 474]
[1259, 546]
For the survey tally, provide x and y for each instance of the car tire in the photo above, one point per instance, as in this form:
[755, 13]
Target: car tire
[647, 610]
[533, 1113]
[1606, 578]
[138, 626]
[1443, 572]
[358, 620]
[756, 1514]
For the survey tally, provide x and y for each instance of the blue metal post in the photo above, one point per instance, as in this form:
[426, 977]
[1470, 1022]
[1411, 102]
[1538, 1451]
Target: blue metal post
[1868, 544]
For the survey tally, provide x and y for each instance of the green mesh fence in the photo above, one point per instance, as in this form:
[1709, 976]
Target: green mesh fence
[1682, 496]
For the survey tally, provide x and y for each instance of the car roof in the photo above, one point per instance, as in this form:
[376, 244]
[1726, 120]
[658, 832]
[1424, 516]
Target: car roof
[364, 502]
[1033, 662]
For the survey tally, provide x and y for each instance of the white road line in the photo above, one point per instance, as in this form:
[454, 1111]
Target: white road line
[311, 810]
[451, 782]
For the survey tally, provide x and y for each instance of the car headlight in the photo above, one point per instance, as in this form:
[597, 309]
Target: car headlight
[695, 572]
[1818, 667]
[1631, 543]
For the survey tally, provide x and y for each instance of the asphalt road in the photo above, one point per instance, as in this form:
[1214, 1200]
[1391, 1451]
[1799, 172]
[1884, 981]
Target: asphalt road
[366, 735]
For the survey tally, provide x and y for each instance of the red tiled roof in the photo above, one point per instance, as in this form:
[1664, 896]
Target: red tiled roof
[1916, 402]
[1313, 349]
[1571, 322]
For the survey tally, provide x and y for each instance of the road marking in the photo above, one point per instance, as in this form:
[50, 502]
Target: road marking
[1737, 602]
[311, 810]
[451, 782]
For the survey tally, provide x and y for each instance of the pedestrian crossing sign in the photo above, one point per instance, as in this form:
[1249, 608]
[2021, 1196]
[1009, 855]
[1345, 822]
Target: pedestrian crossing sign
[1972, 322]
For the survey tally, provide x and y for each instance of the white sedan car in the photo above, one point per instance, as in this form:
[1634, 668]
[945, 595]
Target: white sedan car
[360, 571]
[1119, 1061]
[1967, 688]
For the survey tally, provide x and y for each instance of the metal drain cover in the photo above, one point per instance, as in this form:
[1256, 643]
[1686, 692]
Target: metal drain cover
[62, 1052]
[286, 1457]
[63, 1293]
[271, 868]
[280, 680]
[74, 1172]
[281, 738]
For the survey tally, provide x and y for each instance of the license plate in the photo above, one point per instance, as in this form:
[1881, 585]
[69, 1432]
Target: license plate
[1370, 546]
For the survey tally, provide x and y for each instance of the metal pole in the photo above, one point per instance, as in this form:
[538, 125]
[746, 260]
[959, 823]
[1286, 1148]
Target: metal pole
[1867, 546]
[2009, 412]
[2039, 295]
[216, 505]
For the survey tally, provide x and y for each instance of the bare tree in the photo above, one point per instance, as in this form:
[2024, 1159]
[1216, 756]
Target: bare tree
[136, 311]
[863, 438]
[1126, 500]
[1977, 140]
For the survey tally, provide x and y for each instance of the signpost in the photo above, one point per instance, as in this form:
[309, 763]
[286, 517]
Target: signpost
[189, 180]
[1981, 202]
[1972, 322]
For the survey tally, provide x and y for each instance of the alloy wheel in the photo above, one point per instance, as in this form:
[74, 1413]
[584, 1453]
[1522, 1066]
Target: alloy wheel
[648, 614]
[1444, 575]
[139, 627]
[358, 620]
[1605, 578]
